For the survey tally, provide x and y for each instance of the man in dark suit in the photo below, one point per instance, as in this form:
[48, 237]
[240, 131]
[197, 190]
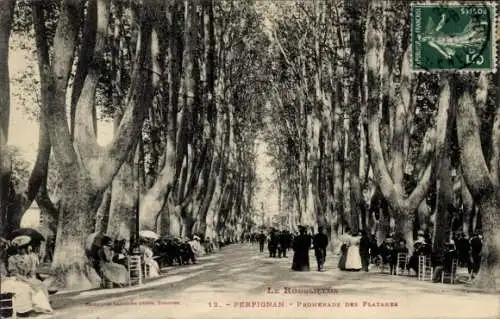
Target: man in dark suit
[320, 242]
[273, 243]
[476, 245]
[364, 250]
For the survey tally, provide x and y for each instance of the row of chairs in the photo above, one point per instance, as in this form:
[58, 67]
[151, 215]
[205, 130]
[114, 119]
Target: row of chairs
[425, 270]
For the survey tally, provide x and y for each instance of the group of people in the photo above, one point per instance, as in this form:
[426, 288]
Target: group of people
[110, 259]
[20, 278]
[358, 250]
[279, 242]
[467, 253]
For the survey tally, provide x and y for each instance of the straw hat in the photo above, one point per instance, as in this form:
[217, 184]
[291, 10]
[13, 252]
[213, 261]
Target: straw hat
[21, 240]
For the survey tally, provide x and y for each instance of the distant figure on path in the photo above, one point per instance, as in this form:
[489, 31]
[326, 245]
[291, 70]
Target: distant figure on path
[273, 243]
[301, 246]
[320, 242]
[262, 241]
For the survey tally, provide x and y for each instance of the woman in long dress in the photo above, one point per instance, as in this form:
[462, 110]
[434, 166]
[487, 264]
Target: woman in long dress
[31, 295]
[353, 259]
[301, 246]
[147, 255]
[115, 273]
[344, 246]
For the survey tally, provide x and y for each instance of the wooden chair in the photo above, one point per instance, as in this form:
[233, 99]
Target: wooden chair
[135, 270]
[450, 275]
[424, 268]
[401, 264]
[146, 270]
[105, 283]
[7, 306]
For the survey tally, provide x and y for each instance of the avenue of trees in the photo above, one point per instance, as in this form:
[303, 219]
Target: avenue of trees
[365, 143]
[356, 139]
[180, 81]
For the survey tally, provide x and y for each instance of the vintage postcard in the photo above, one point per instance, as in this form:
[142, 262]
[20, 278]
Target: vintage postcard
[178, 159]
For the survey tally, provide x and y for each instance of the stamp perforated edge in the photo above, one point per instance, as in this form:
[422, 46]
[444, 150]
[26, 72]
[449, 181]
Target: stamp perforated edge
[494, 32]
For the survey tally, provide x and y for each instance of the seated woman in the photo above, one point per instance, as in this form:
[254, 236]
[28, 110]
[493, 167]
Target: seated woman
[147, 255]
[399, 248]
[386, 249]
[446, 263]
[197, 248]
[421, 248]
[120, 253]
[31, 295]
[115, 273]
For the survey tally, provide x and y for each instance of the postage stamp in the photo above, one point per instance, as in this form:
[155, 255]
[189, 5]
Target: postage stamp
[453, 36]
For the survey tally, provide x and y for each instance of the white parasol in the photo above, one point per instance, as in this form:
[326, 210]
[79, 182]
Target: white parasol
[148, 234]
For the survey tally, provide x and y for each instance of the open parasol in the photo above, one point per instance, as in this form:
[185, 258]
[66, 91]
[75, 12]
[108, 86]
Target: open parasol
[148, 234]
[36, 237]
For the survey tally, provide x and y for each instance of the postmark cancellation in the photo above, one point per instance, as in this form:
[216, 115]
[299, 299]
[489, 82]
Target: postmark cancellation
[453, 36]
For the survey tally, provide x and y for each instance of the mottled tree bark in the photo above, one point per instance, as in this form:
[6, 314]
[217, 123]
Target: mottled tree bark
[85, 168]
[478, 176]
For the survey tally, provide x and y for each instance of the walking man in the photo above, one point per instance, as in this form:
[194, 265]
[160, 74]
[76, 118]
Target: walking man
[364, 250]
[320, 242]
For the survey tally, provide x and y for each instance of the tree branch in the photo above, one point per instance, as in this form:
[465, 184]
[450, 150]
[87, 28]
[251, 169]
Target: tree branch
[400, 133]
[84, 58]
[442, 130]
[39, 173]
[85, 133]
[54, 78]
[105, 167]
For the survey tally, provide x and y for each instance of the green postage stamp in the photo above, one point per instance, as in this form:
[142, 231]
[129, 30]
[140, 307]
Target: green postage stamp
[453, 36]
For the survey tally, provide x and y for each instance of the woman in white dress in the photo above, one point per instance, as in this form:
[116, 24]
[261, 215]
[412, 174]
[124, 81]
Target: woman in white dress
[353, 259]
[31, 294]
[153, 267]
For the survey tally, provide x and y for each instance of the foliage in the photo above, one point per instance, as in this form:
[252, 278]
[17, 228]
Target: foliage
[20, 168]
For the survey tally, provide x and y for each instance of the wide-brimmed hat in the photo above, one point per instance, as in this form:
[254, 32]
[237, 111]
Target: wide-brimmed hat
[21, 240]
[196, 237]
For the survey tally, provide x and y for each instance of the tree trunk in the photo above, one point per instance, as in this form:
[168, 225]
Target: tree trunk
[424, 214]
[77, 207]
[467, 208]
[445, 196]
[404, 224]
[124, 196]
[480, 181]
[102, 215]
[490, 270]
[6, 18]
